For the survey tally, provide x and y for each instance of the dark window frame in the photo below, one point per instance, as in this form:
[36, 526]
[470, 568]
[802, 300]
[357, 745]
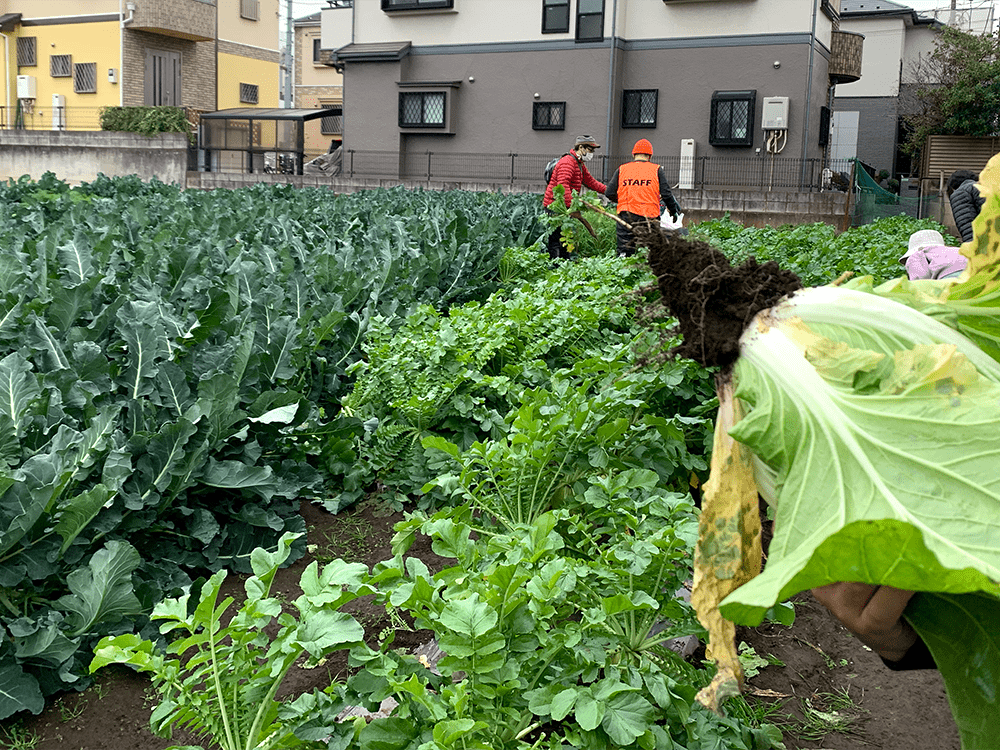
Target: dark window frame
[394, 5]
[729, 99]
[581, 15]
[627, 122]
[541, 115]
[317, 49]
[562, 28]
[423, 124]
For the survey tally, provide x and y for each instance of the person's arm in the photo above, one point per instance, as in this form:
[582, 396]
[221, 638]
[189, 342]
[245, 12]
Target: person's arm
[611, 193]
[666, 196]
[590, 182]
[874, 614]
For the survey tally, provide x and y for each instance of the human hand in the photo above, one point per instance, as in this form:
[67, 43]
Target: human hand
[873, 614]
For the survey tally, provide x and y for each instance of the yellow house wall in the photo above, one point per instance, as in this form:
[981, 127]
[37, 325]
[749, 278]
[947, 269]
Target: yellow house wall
[234, 70]
[98, 43]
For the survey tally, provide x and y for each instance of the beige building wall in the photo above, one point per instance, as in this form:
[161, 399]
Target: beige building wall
[262, 33]
[317, 85]
[479, 22]
[883, 50]
[919, 42]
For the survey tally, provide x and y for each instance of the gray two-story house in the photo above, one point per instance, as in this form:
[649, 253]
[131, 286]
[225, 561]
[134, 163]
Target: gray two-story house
[739, 79]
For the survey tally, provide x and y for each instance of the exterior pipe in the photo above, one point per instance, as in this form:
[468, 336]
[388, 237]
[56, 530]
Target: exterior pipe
[809, 91]
[121, 53]
[611, 85]
[6, 72]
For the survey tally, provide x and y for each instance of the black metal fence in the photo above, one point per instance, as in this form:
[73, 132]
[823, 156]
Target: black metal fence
[40, 115]
[703, 172]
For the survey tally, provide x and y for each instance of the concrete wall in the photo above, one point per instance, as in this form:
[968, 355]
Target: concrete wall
[750, 208]
[79, 157]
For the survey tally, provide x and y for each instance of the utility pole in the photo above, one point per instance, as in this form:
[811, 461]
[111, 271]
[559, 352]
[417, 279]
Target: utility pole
[290, 55]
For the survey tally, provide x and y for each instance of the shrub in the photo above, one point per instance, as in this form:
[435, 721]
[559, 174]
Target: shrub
[146, 120]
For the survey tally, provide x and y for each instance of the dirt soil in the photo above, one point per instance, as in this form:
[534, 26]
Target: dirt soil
[712, 300]
[896, 711]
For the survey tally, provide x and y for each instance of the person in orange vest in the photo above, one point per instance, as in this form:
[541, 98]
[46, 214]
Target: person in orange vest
[639, 188]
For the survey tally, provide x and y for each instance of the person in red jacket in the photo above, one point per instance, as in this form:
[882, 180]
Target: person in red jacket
[639, 188]
[571, 173]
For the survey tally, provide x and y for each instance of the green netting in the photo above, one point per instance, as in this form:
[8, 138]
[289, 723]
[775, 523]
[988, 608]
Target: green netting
[872, 201]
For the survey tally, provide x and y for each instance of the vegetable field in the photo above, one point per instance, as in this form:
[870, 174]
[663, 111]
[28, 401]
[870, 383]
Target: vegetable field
[181, 371]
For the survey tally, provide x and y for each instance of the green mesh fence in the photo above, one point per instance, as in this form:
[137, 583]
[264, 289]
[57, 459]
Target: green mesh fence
[872, 201]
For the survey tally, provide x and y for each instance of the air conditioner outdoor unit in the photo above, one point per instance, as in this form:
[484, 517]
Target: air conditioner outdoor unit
[58, 112]
[685, 179]
[26, 87]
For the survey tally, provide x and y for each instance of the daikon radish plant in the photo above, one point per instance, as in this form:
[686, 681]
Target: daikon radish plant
[869, 418]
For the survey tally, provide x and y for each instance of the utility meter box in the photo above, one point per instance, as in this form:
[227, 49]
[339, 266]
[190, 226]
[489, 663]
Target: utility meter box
[58, 112]
[774, 115]
[26, 88]
[686, 175]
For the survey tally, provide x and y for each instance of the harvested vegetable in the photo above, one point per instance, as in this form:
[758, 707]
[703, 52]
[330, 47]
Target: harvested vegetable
[873, 428]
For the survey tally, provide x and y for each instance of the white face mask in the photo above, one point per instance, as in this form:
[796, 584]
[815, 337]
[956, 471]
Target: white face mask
[588, 156]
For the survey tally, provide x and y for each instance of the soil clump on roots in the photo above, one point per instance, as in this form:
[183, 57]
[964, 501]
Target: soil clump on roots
[712, 300]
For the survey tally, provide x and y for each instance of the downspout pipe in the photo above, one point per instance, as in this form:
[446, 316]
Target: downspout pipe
[6, 72]
[809, 89]
[611, 84]
[121, 53]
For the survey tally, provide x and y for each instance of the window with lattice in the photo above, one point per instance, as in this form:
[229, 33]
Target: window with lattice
[250, 10]
[27, 51]
[555, 16]
[639, 108]
[85, 78]
[548, 116]
[423, 109]
[731, 122]
[331, 125]
[61, 66]
[249, 93]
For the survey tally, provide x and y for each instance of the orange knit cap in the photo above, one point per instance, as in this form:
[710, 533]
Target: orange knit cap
[642, 146]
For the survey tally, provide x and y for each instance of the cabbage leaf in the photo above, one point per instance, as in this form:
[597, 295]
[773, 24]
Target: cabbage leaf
[881, 456]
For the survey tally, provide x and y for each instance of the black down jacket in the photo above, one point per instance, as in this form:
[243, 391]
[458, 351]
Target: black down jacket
[965, 205]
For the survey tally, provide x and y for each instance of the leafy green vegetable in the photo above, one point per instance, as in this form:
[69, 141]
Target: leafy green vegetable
[881, 447]
[168, 362]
